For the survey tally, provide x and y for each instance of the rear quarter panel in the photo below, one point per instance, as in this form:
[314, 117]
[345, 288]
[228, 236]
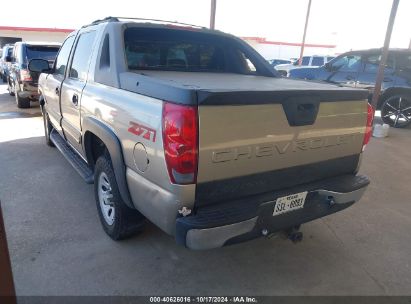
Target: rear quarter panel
[124, 112]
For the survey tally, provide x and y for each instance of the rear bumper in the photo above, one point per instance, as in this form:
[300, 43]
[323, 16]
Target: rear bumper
[29, 90]
[232, 222]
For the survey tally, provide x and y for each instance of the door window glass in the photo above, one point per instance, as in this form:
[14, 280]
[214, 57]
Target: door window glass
[372, 62]
[404, 61]
[81, 58]
[348, 63]
[62, 57]
[317, 61]
[305, 61]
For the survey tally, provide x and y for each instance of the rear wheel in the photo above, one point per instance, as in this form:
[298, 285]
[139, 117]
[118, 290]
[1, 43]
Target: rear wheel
[22, 103]
[10, 88]
[396, 111]
[118, 220]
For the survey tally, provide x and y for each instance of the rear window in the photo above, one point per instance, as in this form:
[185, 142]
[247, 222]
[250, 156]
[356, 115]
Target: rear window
[190, 51]
[41, 52]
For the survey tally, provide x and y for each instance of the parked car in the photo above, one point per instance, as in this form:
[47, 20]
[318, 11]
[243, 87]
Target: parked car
[21, 82]
[275, 62]
[4, 65]
[315, 61]
[170, 123]
[358, 69]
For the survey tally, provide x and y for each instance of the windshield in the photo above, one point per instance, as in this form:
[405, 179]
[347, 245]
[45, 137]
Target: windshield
[176, 50]
[41, 52]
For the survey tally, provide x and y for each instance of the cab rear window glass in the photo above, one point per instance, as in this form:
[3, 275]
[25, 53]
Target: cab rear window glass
[41, 52]
[178, 50]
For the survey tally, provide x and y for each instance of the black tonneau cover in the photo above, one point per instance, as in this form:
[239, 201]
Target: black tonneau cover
[201, 88]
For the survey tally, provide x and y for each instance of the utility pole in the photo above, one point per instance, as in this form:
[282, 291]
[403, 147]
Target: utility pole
[7, 292]
[380, 75]
[212, 14]
[305, 32]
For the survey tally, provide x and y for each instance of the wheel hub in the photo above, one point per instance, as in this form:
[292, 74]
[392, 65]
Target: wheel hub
[105, 196]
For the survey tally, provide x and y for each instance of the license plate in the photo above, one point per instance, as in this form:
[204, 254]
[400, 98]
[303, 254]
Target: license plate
[289, 203]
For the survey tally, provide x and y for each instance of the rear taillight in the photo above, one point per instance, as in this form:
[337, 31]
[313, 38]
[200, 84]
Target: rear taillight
[180, 140]
[25, 75]
[368, 128]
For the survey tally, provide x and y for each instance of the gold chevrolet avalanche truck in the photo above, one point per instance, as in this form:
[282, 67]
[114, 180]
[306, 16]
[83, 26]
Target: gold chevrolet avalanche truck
[193, 130]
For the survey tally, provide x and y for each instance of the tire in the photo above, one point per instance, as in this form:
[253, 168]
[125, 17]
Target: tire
[118, 220]
[22, 103]
[10, 88]
[282, 73]
[396, 111]
[48, 127]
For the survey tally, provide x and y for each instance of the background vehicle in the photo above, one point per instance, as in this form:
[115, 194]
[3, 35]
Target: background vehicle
[4, 65]
[315, 61]
[22, 83]
[275, 62]
[171, 123]
[358, 69]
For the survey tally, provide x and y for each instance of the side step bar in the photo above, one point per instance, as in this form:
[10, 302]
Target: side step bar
[73, 158]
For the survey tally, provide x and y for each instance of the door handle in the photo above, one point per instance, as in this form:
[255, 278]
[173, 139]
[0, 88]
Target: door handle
[387, 79]
[57, 90]
[349, 77]
[74, 99]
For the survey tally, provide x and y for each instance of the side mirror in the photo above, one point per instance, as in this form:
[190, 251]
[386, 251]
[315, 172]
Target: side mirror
[39, 66]
[8, 59]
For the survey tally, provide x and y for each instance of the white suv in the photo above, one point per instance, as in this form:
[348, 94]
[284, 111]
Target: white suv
[315, 60]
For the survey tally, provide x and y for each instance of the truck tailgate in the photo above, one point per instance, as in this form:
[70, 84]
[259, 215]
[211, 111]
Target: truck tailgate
[260, 134]
[277, 140]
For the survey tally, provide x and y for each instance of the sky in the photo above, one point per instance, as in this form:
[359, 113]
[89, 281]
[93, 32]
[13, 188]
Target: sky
[350, 24]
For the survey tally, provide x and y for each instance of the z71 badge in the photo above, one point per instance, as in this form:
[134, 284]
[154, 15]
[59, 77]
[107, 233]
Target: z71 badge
[142, 131]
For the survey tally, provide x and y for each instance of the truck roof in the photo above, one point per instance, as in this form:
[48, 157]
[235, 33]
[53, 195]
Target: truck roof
[156, 23]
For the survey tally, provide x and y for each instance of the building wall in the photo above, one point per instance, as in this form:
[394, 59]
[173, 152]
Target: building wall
[35, 36]
[287, 50]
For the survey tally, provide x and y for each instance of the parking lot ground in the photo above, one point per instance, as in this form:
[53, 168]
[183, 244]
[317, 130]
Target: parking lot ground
[57, 246]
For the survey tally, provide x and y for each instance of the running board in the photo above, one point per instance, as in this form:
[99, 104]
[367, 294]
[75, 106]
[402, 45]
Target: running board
[73, 158]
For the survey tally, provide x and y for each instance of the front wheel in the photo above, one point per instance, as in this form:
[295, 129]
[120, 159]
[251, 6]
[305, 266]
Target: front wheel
[396, 111]
[118, 220]
[48, 127]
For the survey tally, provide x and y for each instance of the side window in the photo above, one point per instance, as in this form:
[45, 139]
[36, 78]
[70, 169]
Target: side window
[14, 57]
[372, 62]
[317, 61]
[246, 64]
[81, 58]
[62, 57]
[348, 63]
[404, 61]
[305, 61]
